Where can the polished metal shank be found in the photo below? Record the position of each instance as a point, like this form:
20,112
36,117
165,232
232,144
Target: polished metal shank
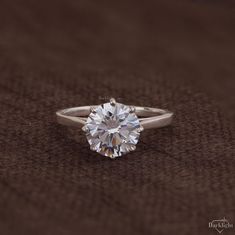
149,117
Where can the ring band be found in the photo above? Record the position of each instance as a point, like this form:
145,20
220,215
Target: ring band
150,117
113,126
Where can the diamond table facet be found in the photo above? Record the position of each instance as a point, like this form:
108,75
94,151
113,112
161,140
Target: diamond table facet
112,129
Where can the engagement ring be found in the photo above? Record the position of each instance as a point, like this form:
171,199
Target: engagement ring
113,129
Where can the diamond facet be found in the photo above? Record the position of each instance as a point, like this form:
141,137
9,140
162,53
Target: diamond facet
113,129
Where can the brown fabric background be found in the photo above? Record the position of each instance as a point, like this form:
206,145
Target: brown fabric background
56,54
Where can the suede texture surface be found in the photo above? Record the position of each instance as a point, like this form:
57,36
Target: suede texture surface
59,54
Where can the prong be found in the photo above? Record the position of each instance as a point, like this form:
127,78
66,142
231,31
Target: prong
133,148
85,128
132,109
112,157
140,129
92,148
92,109
112,101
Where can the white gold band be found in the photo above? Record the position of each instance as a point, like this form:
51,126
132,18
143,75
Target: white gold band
148,117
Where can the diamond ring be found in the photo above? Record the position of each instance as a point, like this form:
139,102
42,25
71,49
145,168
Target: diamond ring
113,129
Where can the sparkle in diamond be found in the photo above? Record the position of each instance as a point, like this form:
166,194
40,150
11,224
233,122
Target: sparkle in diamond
112,129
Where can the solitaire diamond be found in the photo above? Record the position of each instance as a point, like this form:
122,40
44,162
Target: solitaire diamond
112,129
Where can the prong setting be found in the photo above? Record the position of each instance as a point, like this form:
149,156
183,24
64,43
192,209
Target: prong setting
141,128
92,148
132,109
112,101
120,126
133,148
85,129
92,109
